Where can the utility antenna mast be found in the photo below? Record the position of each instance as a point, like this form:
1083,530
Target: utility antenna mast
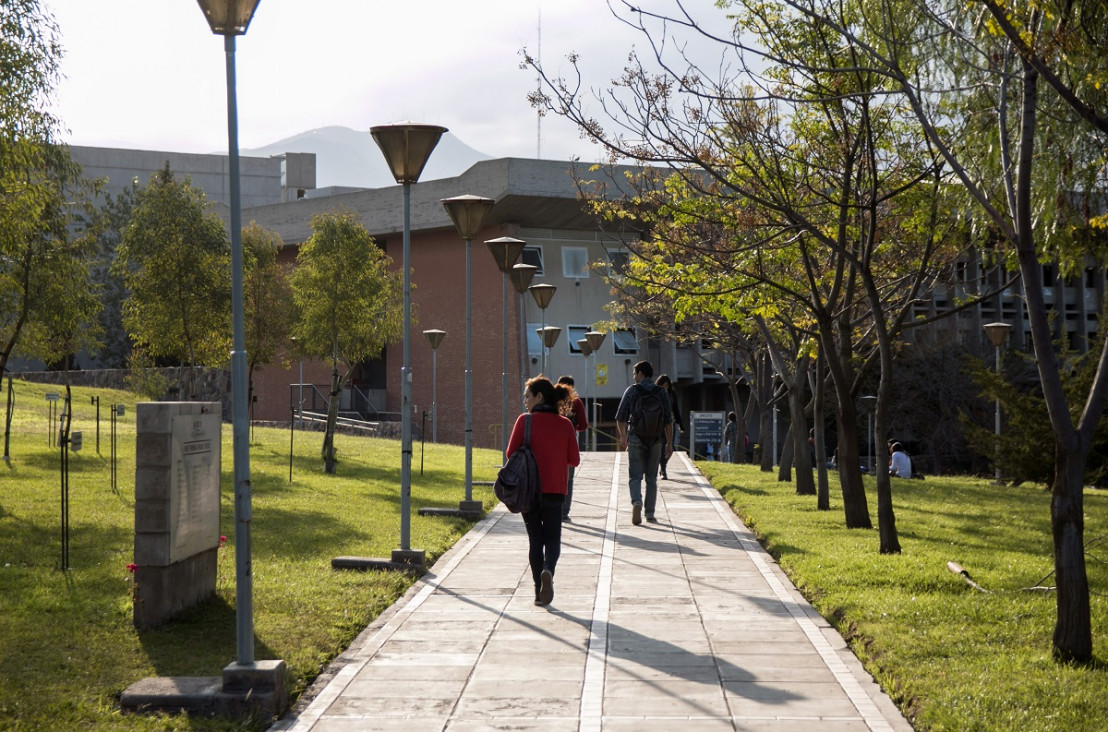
538,87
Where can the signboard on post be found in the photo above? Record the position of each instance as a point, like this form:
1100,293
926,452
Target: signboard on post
706,436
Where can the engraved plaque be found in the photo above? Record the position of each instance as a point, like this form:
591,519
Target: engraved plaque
194,485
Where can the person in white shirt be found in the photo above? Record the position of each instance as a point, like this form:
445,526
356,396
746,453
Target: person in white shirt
900,465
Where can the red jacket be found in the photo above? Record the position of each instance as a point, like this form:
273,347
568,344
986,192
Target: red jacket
554,443
580,419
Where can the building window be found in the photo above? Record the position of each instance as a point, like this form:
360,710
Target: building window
624,341
576,333
618,260
575,262
533,257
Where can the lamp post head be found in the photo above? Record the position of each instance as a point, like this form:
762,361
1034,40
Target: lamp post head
586,349
521,276
505,251
868,403
406,147
228,17
468,214
435,336
543,294
549,335
997,333
595,339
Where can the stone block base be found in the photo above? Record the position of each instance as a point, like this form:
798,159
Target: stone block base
259,691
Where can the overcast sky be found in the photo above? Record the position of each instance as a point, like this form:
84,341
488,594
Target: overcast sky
149,74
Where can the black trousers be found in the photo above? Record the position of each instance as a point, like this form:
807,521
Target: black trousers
544,535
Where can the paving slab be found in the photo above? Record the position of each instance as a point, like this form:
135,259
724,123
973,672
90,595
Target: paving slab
686,624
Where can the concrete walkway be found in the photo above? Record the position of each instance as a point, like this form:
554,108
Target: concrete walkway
685,625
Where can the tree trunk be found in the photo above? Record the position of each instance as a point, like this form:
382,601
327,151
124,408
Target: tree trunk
823,491
785,462
855,505
329,459
1073,640
765,437
802,449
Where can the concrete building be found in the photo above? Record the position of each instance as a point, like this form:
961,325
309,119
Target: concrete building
537,202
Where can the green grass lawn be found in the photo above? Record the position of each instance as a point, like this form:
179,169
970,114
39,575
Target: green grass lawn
67,644
952,657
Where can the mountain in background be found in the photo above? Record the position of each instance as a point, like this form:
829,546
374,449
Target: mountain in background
346,157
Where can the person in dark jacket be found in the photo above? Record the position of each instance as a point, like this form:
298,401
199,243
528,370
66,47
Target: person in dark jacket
554,442
573,409
678,425
643,454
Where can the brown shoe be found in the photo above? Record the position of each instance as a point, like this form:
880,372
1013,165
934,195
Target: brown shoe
546,589
636,514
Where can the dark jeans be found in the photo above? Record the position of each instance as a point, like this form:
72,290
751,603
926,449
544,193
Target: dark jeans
642,465
569,494
544,534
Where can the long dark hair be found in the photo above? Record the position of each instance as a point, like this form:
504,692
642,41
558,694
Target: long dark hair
553,395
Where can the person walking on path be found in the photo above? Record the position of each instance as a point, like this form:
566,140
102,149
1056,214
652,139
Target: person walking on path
554,442
678,426
645,424
574,410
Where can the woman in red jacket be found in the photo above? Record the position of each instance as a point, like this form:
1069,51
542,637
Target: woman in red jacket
554,442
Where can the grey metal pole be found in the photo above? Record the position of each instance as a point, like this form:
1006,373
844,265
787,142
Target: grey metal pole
996,461
434,395
504,377
406,382
870,447
469,370
300,410
244,583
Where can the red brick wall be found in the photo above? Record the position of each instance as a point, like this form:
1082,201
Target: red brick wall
438,301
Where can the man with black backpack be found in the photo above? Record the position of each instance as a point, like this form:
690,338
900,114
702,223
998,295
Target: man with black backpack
644,417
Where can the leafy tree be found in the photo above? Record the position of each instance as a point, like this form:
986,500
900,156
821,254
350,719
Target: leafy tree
106,223
175,260
348,303
1014,97
46,301
1010,98
267,299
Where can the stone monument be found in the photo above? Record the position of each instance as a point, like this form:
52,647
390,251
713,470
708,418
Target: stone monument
177,472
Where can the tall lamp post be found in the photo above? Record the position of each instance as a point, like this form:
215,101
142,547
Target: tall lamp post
521,276
406,147
586,351
869,403
543,294
997,334
468,214
230,18
434,337
505,250
596,340
549,335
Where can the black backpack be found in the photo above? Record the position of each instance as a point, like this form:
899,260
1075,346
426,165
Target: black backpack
649,420
518,484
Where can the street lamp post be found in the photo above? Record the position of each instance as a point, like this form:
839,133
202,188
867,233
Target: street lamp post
997,334
521,276
434,337
868,404
230,18
406,147
468,214
505,250
549,335
586,351
595,339
543,294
